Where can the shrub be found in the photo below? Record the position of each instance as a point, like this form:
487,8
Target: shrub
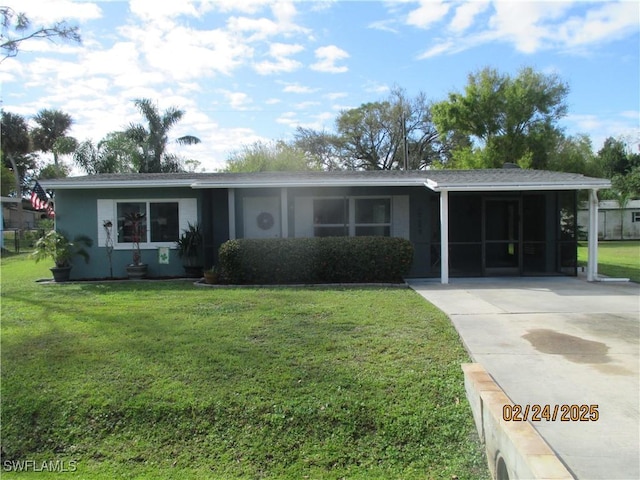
315,260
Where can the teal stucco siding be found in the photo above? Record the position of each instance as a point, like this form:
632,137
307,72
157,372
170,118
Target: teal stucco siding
77,213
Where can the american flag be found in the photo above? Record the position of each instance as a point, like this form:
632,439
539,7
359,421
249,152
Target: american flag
40,200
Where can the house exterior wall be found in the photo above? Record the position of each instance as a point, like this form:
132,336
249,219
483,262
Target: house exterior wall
546,242
78,212
614,223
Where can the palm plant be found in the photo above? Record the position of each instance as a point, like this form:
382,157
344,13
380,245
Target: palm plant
57,247
51,133
152,140
188,246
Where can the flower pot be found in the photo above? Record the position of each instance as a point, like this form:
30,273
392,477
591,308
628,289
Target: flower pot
210,277
61,274
137,271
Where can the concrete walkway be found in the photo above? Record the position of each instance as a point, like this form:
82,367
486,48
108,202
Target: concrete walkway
556,341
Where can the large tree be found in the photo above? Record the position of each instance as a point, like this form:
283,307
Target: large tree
510,119
616,158
391,134
152,140
394,133
51,133
16,28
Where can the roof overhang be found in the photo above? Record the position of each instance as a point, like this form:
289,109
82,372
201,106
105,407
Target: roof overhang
103,184
309,183
436,181
515,187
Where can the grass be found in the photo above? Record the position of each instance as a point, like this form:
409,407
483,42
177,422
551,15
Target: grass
166,380
615,259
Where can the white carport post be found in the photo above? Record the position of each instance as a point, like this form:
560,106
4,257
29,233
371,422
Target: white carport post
444,237
592,258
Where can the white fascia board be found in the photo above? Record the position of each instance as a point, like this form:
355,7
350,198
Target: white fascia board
481,187
52,185
308,184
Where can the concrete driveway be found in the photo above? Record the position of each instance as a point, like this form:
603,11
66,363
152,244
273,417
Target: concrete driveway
559,341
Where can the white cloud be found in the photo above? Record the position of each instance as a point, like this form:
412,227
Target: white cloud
284,14
429,12
154,11
308,104
237,100
288,118
609,22
526,24
244,6
336,95
280,52
533,26
47,12
327,58
600,127
466,14
384,26
297,88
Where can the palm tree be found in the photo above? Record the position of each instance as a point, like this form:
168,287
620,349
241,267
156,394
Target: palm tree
15,147
115,153
51,133
152,140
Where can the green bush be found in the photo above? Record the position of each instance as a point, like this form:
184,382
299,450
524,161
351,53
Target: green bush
316,260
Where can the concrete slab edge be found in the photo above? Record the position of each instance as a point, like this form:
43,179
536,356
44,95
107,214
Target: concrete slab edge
515,450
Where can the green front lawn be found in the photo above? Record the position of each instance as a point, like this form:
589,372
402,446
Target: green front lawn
168,380
615,259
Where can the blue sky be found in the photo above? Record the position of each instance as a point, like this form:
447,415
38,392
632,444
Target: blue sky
249,70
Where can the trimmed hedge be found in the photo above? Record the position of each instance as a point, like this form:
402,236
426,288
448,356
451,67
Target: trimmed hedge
316,260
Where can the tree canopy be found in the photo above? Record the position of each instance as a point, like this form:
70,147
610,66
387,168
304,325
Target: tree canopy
390,134
511,119
278,156
51,133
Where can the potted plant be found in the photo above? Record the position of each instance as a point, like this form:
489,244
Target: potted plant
61,250
188,246
212,275
134,220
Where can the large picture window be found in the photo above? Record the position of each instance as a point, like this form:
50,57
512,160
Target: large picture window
351,216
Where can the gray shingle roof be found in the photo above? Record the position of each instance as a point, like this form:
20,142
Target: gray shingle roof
455,180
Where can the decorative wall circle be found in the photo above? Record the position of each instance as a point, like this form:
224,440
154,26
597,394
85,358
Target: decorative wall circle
265,221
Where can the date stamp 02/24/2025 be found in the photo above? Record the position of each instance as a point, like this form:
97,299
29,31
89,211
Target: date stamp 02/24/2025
550,413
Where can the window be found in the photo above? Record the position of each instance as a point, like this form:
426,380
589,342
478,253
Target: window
159,225
163,220
330,217
373,217
349,216
635,217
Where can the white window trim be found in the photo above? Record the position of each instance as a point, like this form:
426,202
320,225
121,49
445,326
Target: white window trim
108,210
352,213
635,217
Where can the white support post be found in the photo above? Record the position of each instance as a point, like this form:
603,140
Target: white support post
592,255
232,213
444,237
284,213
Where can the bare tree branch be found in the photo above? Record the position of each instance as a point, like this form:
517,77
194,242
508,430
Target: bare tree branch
15,28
